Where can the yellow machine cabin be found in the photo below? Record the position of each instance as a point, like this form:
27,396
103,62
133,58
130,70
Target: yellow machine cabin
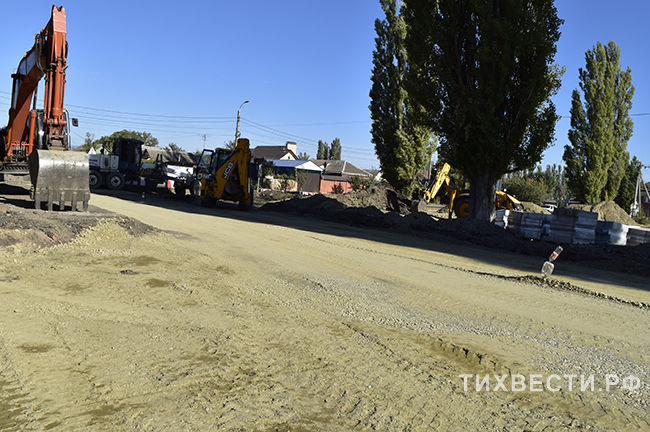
225,174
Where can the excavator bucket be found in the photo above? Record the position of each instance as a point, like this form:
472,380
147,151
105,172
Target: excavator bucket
61,177
418,206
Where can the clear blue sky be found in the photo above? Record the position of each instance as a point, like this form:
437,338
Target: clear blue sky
304,65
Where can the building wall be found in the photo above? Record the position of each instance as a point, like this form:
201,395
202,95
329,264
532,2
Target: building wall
327,185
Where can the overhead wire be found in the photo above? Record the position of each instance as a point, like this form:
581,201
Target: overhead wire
153,122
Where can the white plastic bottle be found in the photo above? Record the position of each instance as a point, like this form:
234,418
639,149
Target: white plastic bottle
547,268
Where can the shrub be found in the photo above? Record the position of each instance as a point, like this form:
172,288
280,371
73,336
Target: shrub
337,188
360,183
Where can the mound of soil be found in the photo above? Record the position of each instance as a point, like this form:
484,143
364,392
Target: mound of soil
372,202
378,196
266,196
533,208
28,230
612,212
607,211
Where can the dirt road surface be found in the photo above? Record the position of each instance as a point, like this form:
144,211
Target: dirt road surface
224,320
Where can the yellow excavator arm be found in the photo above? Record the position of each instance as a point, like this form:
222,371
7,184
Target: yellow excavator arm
459,201
442,179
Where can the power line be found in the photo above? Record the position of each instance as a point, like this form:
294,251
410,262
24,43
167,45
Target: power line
93,116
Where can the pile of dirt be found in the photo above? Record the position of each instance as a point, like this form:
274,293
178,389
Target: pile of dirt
29,230
533,208
267,196
607,211
378,196
332,209
376,201
612,212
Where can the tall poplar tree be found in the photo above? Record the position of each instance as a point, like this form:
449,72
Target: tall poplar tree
484,71
335,149
323,150
601,126
402,144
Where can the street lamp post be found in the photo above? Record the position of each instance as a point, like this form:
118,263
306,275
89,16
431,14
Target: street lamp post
238,115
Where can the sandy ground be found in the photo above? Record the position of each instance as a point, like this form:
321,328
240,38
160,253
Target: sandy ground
224,320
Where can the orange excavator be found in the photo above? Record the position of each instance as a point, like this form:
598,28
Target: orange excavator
35,141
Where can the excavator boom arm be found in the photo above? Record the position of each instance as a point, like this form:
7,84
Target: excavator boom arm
47,57
33,139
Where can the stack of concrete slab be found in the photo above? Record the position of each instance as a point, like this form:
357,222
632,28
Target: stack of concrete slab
637,236
560,227
501,218
584,229
568,225
614,233
527,225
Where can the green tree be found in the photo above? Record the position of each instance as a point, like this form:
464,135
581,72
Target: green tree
301,179
323,150
303,156
554,180
145,137
526,189
484,72
402,144
107,141
230,144
601,127
335,150
627,189
89,142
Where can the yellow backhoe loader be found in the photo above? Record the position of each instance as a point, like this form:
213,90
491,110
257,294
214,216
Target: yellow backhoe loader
223,174
459,200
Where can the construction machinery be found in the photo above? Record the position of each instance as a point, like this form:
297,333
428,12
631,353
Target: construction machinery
35,141
122,165
459,199
223,174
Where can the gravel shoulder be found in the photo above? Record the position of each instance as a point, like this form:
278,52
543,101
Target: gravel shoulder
210,319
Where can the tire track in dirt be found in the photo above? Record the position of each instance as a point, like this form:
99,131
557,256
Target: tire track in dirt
469,359
16,410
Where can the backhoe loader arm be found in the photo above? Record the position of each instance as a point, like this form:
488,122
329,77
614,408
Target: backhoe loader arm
442,178
47,57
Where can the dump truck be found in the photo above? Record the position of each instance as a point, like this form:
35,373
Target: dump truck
224,174
35,142
459,199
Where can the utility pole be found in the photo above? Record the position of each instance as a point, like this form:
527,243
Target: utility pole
204,138
237,127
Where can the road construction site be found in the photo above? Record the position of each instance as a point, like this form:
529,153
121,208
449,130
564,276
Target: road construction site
158,314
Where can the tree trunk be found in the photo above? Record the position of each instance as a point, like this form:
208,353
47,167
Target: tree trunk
481,197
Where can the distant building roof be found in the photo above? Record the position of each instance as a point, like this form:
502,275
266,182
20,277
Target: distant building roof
272,152
168,156
339,167
296,164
